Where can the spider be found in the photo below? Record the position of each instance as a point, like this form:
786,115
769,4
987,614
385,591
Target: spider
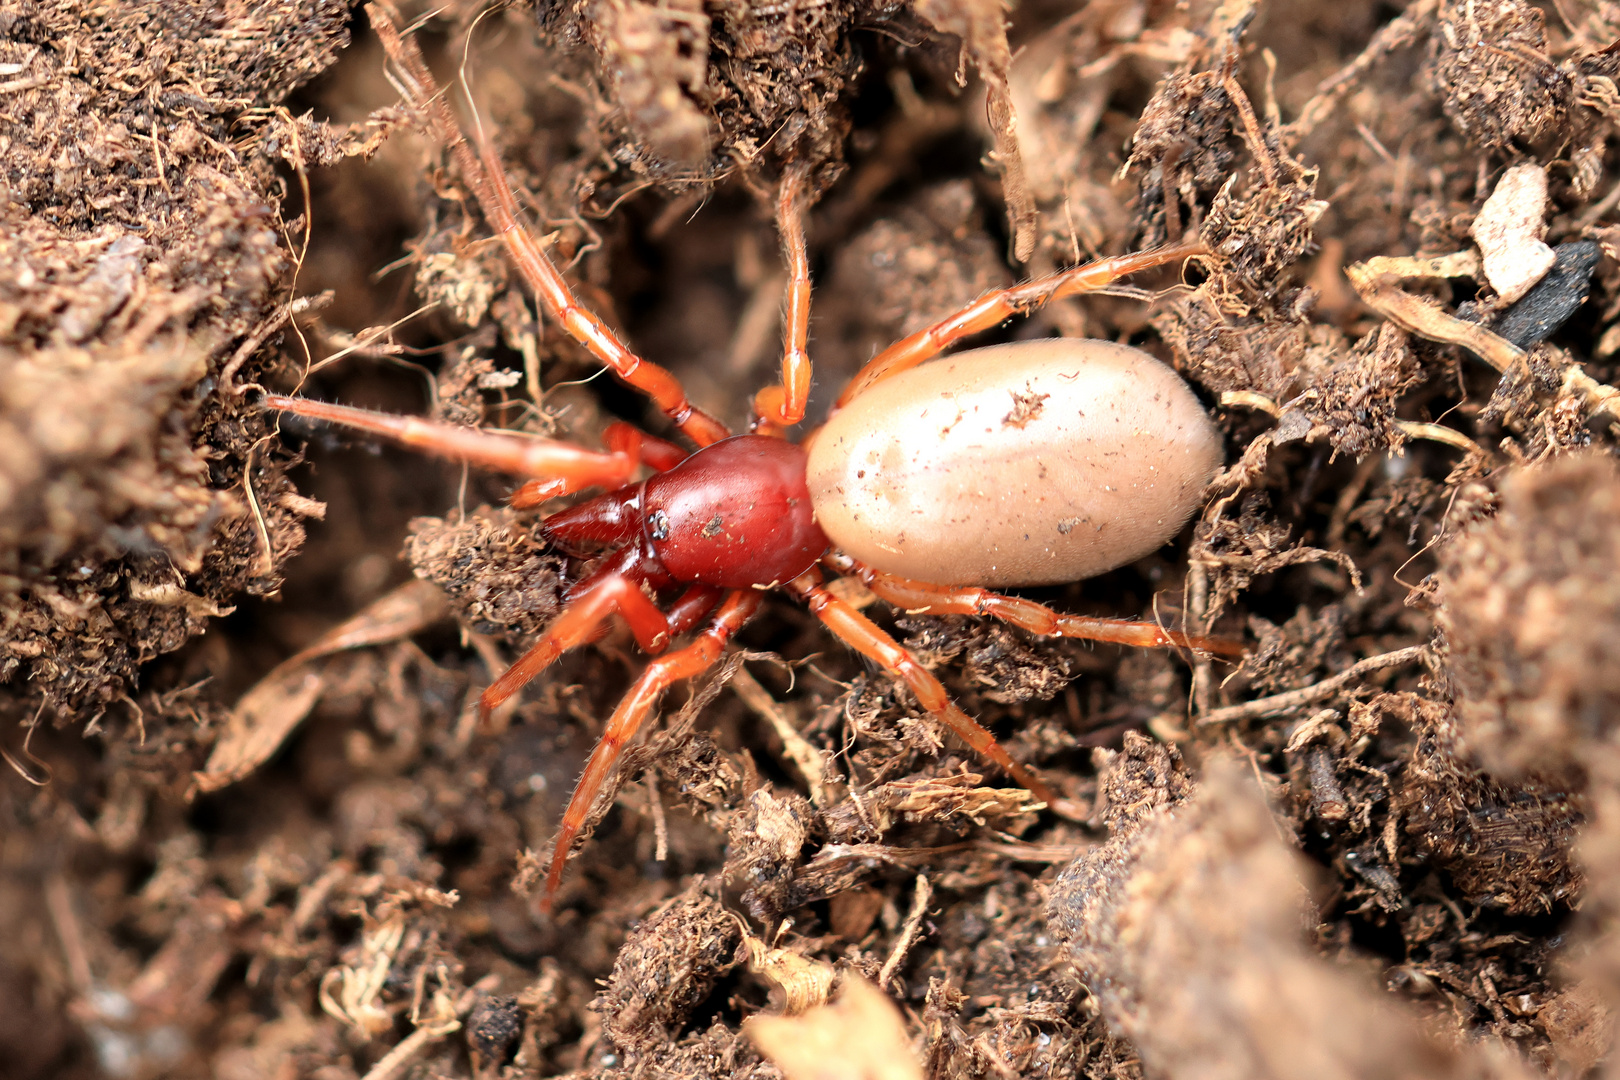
743,515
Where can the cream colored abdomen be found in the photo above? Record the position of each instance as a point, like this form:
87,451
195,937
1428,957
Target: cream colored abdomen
1023,464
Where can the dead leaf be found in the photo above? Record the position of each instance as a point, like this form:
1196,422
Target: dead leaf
278,703
982,26
413,606
861,1036
801,984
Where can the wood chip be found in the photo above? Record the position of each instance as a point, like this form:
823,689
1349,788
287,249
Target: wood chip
861,1036
278,703
1509,231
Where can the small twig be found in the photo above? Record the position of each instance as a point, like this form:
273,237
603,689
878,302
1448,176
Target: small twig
311,898
1197,586
250,345
1375,282
1421,316
655,806
1328,800
365,343
1251,399
909,932
59,905
1011,850
394,1063
1457,264
23,770
1252,134
446,1021
1278,704
267,561
1439,433
806,758
1349,496
1412,429
1398,32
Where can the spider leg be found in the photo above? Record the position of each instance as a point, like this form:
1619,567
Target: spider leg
994,308
566,468
782,406
561,468
737,608
920,597
659,454
692,607
614,587
487,179
864,636
622,440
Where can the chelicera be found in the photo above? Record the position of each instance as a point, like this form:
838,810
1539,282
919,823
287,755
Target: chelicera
1042,462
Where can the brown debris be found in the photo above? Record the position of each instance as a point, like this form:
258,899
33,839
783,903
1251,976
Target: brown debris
657,57
1490,66
982,26
766,839
1580,1025
955,802
494,1027
267,714
666,968
1506,844
861,1036
139,494
353,899
1531,610
701,90
501,578
1182,154
798,983
908,268
1188,927
993,658
1354,401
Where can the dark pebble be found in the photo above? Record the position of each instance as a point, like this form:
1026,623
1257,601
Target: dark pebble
494,1027
1553,299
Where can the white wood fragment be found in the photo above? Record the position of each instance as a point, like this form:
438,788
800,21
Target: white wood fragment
1509,231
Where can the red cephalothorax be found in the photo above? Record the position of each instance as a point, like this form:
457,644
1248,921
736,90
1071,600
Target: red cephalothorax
1023,464
736,515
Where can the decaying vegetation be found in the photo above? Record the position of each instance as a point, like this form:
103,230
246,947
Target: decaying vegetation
253,826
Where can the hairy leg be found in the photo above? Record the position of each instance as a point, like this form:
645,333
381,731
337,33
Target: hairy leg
487,179
735,610
559,468
996,307
862,635
779,407
614,588
920,597
625,444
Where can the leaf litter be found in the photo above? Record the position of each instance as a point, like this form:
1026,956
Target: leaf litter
254,825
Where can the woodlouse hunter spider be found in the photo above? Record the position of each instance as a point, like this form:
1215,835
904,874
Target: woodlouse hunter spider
1041,462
